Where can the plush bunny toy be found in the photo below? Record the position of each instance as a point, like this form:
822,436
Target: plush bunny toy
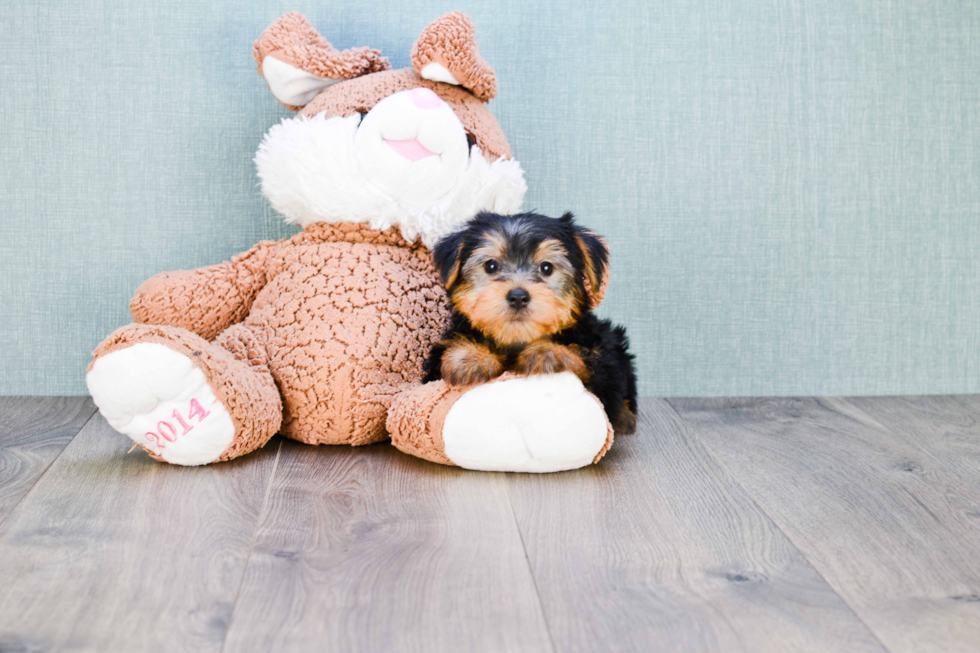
321,337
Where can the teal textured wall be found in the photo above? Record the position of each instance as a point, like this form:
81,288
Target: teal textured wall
791,189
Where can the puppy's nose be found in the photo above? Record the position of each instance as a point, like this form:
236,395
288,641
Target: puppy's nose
518,298
425,98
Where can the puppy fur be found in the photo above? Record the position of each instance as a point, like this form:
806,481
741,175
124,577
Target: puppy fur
520,290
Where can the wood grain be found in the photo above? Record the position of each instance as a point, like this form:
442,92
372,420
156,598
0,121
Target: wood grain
116,552
944,433
878,515
33,431
368,549
657,549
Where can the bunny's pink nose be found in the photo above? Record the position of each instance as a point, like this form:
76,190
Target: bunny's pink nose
425,98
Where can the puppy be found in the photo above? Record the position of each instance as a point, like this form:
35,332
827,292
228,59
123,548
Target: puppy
521,290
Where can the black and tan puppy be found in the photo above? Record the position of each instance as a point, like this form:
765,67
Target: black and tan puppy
520,287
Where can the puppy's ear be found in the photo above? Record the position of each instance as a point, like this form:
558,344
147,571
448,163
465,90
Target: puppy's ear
448,257
446,52
595,260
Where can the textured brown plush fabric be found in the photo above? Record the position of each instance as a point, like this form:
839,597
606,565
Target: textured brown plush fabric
451,41
174,298
362,94
416,417
293,40
340,317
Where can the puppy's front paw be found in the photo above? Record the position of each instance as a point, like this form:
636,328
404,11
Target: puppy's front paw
469,363
544,357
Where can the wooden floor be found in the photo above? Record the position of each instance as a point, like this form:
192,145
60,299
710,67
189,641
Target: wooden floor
721,525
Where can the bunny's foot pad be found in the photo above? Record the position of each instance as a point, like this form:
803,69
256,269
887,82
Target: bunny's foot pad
163,402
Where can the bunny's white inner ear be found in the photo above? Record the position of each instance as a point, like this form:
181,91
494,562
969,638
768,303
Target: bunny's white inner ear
436,72
291,85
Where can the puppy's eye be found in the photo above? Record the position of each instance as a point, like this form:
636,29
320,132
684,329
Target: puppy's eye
491,267
546,269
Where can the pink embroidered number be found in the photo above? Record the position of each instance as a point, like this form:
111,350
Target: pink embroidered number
163,427
166,430
197,411
184,425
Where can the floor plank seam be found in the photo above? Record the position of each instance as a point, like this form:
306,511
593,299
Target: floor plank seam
530,570
864,413
775,524
925,452
251,548
4,519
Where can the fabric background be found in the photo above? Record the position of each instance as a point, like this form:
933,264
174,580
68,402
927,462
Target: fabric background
791,189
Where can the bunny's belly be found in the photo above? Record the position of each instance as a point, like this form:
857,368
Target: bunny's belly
346,329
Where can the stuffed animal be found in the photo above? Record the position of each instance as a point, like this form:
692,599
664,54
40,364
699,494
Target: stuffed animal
321,337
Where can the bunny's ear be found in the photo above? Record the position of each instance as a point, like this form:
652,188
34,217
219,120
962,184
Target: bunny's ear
446,52
298,63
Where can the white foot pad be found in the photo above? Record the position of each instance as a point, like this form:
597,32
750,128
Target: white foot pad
161,400
545,423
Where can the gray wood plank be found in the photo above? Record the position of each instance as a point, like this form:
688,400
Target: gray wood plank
658,549
116,552
33,431
893,541
944,434
368,549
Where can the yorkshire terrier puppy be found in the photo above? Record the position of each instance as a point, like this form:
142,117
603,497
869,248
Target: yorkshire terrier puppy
520,288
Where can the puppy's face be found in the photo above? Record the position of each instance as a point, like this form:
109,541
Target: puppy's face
520,278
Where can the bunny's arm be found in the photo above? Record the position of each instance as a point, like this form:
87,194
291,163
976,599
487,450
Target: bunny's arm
207,300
